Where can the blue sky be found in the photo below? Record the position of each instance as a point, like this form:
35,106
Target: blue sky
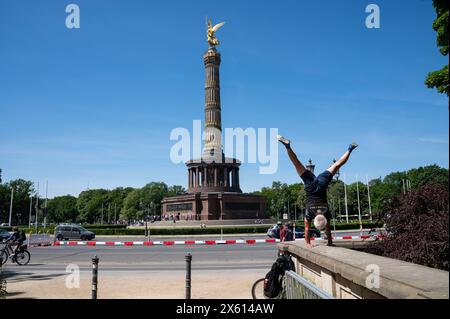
95,106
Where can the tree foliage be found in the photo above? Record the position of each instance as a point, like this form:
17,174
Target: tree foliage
280,195
62,209
439,79
21,200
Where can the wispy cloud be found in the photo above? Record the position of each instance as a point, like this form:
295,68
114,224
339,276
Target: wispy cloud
433,140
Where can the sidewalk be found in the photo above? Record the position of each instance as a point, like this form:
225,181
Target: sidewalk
207,284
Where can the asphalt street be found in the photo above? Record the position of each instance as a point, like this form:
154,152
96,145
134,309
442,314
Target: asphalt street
135,267
164,258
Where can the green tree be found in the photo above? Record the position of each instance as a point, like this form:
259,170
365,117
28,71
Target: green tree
297,200
131,205
90,204
380,194
146,200
62,209
115,201
431,174
352,196
279,195
336,197
21,201
151,196
176,190
439,79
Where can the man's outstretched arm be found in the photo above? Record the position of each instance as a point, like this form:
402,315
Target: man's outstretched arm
307,237
292,156
338,164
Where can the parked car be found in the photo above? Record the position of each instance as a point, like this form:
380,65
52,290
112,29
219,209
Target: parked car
67,231
4,234
274,232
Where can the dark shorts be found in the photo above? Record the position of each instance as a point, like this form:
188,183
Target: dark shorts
314,210
319,183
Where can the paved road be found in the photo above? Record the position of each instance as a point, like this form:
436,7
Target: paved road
151,258
141,267
239,256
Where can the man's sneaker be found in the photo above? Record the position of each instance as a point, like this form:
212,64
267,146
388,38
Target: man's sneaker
286,142
352,146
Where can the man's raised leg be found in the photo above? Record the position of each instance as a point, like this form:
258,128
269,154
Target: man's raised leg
339,163
292,156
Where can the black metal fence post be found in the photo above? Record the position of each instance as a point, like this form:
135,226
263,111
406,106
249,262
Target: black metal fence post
94,276
188,258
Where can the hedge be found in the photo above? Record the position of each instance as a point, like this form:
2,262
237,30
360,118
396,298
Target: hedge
104,226
183,231
51,228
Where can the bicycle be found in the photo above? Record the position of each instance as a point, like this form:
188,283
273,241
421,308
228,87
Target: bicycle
377,233
20,256
286,264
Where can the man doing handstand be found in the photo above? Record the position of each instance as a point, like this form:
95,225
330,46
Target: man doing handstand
316,191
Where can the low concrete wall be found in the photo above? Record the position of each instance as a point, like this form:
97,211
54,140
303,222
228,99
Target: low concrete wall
349,274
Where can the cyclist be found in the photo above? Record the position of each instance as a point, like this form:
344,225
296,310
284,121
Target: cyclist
16,238
316,191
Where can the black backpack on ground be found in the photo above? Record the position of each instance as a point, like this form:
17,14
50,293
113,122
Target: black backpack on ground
272,281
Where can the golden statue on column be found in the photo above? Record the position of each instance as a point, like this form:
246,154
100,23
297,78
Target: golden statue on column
211,33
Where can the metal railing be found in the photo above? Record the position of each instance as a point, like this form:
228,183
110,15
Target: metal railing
298,287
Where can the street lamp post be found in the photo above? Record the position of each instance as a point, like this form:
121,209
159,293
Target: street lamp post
101,220
146,226
368,197
31,207
336,178
359,204
11,206
345,201
221,225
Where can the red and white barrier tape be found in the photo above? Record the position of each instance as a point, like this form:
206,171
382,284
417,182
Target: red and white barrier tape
190,242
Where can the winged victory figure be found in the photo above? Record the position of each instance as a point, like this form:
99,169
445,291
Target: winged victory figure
211,33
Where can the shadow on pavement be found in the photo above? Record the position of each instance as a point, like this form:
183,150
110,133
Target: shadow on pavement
12,276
